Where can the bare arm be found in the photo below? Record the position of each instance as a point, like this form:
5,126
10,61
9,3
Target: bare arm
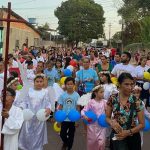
136,129
141,124
113,123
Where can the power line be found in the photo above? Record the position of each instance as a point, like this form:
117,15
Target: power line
24,2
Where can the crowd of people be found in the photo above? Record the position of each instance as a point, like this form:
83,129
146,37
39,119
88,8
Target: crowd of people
75,79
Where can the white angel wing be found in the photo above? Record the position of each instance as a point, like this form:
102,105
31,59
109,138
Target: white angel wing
26,84
84,99
23,72
58,91
52,97
114,90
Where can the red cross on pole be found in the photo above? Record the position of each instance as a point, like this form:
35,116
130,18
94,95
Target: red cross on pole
8,20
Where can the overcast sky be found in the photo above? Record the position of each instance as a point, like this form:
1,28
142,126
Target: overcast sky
43,10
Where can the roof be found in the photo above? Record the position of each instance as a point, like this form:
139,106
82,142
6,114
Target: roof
20,18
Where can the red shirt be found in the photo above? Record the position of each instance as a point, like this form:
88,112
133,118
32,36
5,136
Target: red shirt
113,51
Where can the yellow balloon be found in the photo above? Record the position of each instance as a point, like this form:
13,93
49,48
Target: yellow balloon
114,81
56,128
62,81
147,75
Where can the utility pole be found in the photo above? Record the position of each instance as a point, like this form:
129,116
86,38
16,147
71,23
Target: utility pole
122,24
110,35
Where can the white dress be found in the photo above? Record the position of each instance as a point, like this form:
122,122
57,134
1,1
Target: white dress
30,76
33,134
12,127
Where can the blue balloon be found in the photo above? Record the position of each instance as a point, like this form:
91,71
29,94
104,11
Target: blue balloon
60,116
74,115
67,72
102,121
91,115
147,125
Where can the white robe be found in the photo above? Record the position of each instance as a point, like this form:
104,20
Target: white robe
33,134
12,127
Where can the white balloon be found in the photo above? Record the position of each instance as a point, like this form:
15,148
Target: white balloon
146,86
27,114
70,68
41,115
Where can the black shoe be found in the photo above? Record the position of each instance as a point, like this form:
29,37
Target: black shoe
64,147
68,148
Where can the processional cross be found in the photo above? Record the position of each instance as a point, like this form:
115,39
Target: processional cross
8,20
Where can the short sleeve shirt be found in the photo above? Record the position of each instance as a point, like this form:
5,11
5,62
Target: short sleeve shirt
83,76
52,75
68,101
139,71
120,68
122,115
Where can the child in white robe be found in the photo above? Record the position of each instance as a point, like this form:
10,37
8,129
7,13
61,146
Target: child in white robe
13,121
13,83
33,135
30,72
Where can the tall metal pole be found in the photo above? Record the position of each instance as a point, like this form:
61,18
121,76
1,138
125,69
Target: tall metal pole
122,35
6,63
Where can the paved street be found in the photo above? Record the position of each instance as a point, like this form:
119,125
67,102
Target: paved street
79,143
55,141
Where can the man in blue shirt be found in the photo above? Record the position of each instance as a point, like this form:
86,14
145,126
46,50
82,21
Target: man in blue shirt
117,60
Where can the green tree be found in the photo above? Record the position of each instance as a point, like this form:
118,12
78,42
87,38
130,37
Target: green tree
43,29
145,29
134,9
136,26
80,20
117,36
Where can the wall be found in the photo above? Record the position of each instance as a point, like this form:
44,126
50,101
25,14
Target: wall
21,32
53,44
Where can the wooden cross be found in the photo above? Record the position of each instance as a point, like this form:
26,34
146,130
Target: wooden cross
8,20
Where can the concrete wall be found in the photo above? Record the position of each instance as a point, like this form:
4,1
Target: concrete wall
20,32
53,44
21,36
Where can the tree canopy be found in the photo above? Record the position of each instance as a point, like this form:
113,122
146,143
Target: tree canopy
136,15
80,20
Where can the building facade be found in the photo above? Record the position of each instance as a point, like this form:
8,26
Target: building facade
20,33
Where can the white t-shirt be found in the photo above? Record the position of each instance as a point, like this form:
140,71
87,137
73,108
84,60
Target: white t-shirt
139,71
106,53
40,59
34,62
120,68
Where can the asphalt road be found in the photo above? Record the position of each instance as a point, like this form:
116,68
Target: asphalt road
55,142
